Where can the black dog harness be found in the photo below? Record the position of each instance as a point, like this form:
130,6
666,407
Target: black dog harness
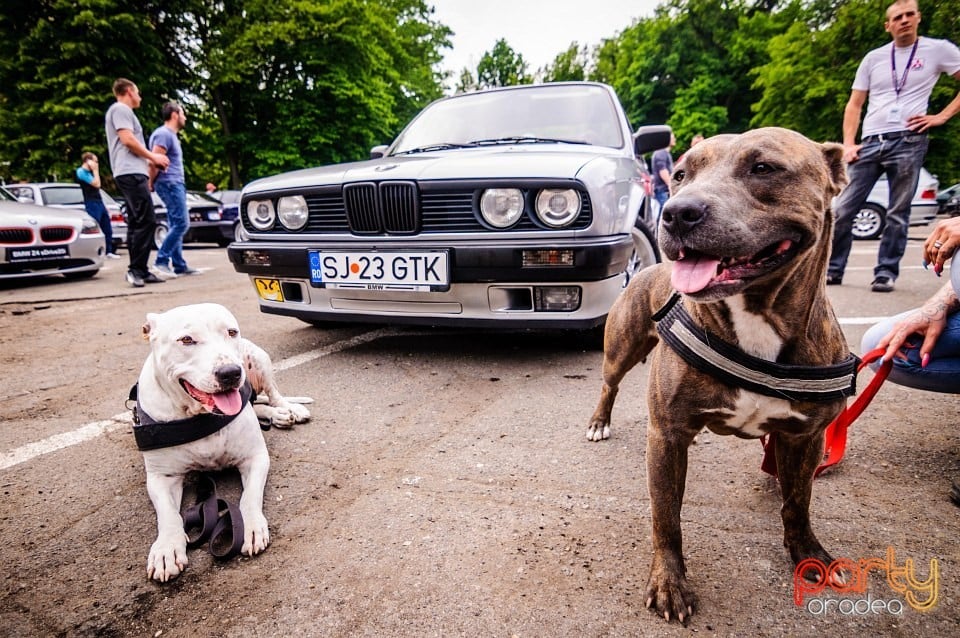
711,355
151,434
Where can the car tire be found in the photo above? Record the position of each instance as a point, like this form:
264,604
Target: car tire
159,234
645,251
868,223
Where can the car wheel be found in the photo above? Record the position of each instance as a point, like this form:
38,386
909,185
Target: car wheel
869,221
645,252
159,234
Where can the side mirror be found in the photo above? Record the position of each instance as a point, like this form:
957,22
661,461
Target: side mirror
650,138
378,151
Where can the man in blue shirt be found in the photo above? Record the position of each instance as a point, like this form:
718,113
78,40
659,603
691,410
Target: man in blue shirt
171,187
88,176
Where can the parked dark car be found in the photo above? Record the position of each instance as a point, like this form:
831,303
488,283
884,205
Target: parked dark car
522,206
209,222
948,201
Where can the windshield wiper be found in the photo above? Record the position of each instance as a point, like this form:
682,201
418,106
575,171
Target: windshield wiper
439,146
524,139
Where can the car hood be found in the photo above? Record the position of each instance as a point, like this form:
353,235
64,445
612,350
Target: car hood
515,161
15,213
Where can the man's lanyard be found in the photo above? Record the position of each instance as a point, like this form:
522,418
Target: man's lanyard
898,86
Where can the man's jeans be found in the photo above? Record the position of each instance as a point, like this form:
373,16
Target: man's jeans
99,212
901,160
943,372
174,196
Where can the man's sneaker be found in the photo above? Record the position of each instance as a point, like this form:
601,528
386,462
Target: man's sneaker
165,270
152,279
134,279
113,256
188,271
834,280
882,284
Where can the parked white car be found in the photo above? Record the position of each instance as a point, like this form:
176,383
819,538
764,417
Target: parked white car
869,222
518,207
68,195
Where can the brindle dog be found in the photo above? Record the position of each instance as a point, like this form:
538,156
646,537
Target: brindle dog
748,233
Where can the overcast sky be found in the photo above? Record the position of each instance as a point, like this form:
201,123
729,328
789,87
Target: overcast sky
536,29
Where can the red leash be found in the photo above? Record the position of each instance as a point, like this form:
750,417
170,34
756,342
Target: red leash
835,439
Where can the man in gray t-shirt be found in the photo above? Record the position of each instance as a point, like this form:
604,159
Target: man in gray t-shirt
130,161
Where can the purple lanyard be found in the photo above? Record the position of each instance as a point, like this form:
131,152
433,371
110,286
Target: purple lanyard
898,86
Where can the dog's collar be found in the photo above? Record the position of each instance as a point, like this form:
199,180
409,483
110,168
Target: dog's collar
151,434
711,355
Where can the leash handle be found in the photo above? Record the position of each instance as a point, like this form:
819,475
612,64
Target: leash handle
835,438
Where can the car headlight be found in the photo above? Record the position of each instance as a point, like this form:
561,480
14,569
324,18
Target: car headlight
558,207
292,212
261,214
501,207
89,226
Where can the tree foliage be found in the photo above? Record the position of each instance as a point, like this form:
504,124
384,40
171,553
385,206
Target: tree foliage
502,66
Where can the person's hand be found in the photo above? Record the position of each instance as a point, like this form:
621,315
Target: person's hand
160,160
851,153
942,243
928,321
922,123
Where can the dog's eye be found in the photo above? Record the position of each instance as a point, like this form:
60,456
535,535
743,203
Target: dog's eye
187,340
762,168
679,175
233,332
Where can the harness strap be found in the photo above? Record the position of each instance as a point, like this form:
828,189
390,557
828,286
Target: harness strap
835,437
151,434
724,361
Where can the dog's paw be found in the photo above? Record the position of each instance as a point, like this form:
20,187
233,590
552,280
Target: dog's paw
670,596
256,534
598,431
168,557
284,414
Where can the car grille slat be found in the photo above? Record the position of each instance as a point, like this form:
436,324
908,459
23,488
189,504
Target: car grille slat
55,234
399,205
363,214
15,236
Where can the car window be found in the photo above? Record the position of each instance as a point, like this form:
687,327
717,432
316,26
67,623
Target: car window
575,114
7,195
21,192
62,196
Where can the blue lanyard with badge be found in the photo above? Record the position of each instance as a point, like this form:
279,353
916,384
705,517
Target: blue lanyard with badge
895,111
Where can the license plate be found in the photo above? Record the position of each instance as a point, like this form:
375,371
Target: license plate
18,255
415,271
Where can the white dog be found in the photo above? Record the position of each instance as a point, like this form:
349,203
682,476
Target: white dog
194,414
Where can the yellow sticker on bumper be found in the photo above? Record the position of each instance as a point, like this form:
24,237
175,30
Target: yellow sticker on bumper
268,289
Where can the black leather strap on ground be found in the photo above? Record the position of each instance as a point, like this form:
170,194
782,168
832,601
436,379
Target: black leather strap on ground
153,435
217,519
711,355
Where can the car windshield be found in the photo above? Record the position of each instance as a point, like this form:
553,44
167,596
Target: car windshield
541,114
6,195
62,196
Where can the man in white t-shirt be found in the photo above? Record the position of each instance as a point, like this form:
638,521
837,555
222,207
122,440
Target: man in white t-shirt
898,78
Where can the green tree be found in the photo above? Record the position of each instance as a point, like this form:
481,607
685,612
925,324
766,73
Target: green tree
569,65
58,61
502,66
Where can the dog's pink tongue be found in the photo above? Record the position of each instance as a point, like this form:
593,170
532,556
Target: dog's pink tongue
693,273
228,402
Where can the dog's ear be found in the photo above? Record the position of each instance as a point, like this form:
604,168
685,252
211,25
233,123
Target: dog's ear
147,327
836,167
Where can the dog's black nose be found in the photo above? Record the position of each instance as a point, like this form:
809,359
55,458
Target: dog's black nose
229,375
681,214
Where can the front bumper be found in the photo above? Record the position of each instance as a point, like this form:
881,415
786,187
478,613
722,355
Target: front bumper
489,285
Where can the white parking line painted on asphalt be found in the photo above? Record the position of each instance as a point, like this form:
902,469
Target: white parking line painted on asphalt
90,431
